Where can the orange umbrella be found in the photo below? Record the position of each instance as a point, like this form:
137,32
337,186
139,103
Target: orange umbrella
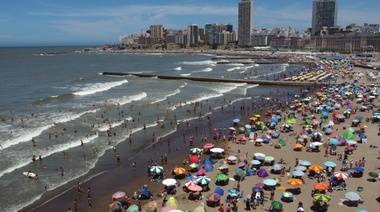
194,188
295,182
332,136
298,145
316,168
281,188
179,170
321,186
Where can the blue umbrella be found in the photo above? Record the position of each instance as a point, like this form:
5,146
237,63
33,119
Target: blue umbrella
233,192
305,163
260,158
219,191
257,189
236,120
274,119
358,169
325,113
275,135
298,173
270,182
334,141
361,210
329,164
329,131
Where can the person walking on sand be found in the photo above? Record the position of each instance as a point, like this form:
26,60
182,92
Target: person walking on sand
272,194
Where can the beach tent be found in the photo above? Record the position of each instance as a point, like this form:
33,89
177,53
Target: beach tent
262,173
219,191
209,167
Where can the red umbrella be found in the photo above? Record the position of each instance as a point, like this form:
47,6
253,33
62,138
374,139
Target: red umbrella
194,188
208,146
350,148
194,159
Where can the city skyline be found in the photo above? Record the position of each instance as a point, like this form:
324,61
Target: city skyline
96,22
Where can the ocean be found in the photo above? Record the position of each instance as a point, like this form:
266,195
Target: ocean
56,103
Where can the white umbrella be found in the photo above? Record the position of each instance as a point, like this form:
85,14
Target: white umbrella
232,157
258,154
316,143
217,150
259,140
169,182
255,162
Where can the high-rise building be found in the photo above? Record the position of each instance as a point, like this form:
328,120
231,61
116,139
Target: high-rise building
156,32
245,22
325,14
193,34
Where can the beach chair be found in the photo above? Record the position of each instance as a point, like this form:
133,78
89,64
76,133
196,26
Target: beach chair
156,178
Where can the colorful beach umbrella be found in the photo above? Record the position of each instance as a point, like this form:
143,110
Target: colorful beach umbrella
287,194
194,165
233,192
151,206
240,172
179,170
213,197
295,182
115,205
322,197
190,183
133,208
221,177
203,180
172,202
316,168
341,175
118,195
276,205
208,146
156,169
320,186
195,151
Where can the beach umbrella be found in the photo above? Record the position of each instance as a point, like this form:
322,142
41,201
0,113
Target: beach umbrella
232,128
322,197
298,173
190,183
276,205
208,146
199,209
255,162
316,168
115,205
223,166
235,120
260,158
194,188
269,158
329,164
179,170
341,175
213,197
300,168
172,202
194,159
269,182
277,166
240,164
257,154
169,182
334,141
118,195
151,206
195,151
156,169
257,189
217,150
373,174
352,196
203,180
221,177
283,188
219,190
348,135
287,194
351,142
305,163
361,210
232,157
298,145
317,134
320,186
350,148
295,182
358,169
240,172
233,192
169,209
201,172
133,208
262,173
194,165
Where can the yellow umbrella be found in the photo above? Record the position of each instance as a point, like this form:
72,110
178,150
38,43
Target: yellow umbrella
282,188
295,182
316,168
179,170
172,202
322,197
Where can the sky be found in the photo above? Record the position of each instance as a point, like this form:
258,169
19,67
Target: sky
97,22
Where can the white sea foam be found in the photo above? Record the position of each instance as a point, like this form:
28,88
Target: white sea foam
128,99
178,68
197,63
208,69
185,75
177,91
98,87
234,68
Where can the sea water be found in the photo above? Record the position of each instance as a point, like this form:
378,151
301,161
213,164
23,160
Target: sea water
63,102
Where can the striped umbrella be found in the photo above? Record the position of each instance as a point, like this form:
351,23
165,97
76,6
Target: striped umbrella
172,202
213,197
233,192
316,168
322,197
341,175
151,206
195,151
203,180
156,169
179,170
189,183
295,182
287,194
194,165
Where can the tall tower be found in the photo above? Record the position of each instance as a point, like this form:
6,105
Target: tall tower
325,14
193,36
245,22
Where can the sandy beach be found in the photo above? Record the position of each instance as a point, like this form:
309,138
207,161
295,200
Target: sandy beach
129,182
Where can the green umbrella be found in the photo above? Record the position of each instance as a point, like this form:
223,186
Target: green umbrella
350,129
269,158
195,150
203,180
348,136
276,205
156,169
133,208
240,172
307,120
373,174
221,177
